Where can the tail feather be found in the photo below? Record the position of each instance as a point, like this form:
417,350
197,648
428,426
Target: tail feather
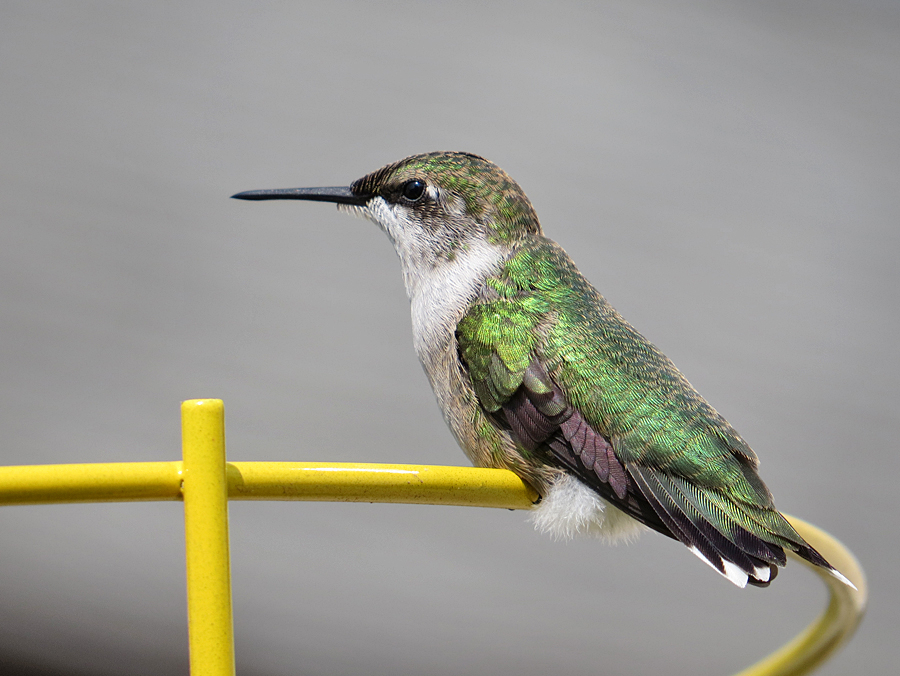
779,529
708,523
721,514
700,536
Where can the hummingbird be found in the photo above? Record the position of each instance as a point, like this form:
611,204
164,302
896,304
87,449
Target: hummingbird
535,372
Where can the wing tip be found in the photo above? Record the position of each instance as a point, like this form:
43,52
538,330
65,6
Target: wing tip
809,554
835,573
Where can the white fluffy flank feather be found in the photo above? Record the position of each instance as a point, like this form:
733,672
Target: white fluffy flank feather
570,508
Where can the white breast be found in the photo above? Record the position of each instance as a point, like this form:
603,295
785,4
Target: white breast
440,295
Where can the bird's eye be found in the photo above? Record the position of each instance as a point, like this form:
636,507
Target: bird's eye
413,190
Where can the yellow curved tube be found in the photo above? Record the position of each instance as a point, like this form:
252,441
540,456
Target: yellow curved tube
837,623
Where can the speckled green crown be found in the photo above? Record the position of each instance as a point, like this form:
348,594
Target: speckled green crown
491,197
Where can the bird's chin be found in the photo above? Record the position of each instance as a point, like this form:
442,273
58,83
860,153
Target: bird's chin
356,210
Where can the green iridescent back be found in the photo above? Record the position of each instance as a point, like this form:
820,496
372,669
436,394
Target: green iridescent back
626,389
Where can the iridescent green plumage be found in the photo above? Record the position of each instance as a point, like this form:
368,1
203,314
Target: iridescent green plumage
624,388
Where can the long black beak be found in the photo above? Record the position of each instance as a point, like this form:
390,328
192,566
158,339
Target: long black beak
339,195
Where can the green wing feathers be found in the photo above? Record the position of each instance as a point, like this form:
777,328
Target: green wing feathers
625,388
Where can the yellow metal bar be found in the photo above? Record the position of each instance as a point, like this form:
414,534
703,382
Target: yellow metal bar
94,482
834,627
205,490
319,481
363,482
206,482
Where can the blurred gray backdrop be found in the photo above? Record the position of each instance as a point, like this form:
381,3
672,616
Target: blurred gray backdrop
725,172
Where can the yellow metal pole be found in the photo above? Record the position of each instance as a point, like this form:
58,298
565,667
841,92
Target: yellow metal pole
205,491
369,482
90,482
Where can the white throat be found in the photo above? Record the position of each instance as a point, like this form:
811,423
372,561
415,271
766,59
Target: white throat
440,296
440,289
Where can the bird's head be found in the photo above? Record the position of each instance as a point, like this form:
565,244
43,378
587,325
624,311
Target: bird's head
432,206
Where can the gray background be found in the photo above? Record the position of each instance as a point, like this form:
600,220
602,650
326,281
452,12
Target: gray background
725,172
